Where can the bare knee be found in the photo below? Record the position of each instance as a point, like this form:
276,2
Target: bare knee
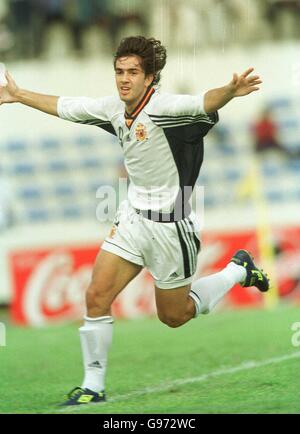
98,299
172,321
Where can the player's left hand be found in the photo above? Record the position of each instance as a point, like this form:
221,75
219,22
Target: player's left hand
245,83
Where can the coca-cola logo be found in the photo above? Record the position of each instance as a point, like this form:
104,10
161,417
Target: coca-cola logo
55,290
49,286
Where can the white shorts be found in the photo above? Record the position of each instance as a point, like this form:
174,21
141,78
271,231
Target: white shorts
168,250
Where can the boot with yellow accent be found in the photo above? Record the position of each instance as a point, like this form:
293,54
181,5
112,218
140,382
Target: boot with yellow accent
254,276
79,396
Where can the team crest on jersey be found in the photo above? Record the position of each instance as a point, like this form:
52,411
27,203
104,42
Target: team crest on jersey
141,133
113,231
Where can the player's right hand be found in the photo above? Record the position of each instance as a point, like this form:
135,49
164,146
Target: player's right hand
8,93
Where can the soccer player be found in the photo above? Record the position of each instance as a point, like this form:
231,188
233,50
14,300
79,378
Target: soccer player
162,139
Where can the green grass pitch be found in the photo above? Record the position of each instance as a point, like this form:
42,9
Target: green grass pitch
155,369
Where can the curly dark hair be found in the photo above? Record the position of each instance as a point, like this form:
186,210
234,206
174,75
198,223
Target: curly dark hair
152,53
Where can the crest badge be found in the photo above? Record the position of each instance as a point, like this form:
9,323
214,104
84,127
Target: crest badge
112,232
141,133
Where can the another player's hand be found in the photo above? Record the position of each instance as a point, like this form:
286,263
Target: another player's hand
245,83
8,93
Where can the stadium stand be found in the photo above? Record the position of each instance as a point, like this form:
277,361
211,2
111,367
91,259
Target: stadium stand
59,179
54,180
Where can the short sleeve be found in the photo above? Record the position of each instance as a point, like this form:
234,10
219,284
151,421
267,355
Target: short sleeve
83,109
179,105
169,110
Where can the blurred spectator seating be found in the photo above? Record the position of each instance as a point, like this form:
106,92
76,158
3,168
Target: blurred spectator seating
28,27
265,134
283,17
55,178
28,23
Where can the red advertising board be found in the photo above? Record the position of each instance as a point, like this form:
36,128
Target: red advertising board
49,284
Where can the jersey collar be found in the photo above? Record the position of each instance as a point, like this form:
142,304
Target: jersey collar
129,119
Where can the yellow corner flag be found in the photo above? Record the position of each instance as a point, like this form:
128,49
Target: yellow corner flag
252,187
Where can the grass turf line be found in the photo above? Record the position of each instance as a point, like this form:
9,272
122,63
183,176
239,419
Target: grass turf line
39,366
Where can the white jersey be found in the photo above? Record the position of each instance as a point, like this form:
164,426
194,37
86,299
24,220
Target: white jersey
162,141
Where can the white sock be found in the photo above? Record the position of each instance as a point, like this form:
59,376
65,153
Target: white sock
208,291
96,338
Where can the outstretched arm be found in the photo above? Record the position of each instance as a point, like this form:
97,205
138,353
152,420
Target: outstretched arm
240,85
12,93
